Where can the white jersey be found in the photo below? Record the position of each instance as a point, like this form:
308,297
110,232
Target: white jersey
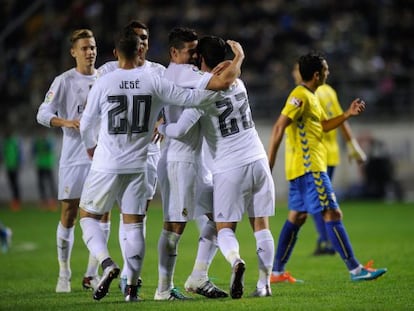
227,127
107,68
188,119
156,68
127,103
229,130
186,148
66,99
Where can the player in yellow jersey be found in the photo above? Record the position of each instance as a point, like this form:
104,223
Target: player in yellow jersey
310,189
330,104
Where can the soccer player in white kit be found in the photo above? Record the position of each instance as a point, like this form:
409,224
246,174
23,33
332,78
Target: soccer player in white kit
126,103
62,107
154,152
177,169
242,182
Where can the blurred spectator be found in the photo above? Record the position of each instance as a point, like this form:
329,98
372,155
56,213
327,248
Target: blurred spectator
379,182
5,238
12,158
44,158
368,43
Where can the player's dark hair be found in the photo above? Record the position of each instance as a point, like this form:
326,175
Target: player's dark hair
309,64
213,49
178,36
137,24
80,34
134,24
127,43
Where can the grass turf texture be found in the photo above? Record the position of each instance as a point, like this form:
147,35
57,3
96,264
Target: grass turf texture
379,231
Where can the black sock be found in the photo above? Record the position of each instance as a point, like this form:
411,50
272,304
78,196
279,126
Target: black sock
106,263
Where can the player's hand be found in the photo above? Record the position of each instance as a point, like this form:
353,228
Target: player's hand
159,121
157,136
356,107
75,124
220,67
236,48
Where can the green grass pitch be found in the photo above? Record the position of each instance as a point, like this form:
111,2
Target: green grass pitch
379,231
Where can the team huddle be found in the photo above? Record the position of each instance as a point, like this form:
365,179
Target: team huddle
212,167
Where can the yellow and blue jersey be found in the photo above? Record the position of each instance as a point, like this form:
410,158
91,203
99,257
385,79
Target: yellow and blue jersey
305,151
330,104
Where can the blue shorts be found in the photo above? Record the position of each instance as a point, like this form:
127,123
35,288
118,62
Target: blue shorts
311,193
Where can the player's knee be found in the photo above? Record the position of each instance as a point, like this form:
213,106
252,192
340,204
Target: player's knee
332,214
297,218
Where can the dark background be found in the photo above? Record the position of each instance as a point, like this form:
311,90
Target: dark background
368,44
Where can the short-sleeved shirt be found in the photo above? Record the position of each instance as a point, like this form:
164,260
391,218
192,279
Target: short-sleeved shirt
66,99
156,68
127,104
188,147
11,153
227,128
230,132
305,151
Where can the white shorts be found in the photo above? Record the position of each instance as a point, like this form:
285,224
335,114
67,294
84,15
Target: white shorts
204,196
71,180
248,188
178,186
204,202
152,162
102,190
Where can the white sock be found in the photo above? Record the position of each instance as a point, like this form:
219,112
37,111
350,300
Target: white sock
106,229
201,222
64,241
356,270
122,241
134,251
94,238
265,249
207,249
144,224
167,258
93,263
92,267
229,246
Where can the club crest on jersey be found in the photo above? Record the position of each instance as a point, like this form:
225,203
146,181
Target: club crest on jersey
49,96
184,212
295,102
